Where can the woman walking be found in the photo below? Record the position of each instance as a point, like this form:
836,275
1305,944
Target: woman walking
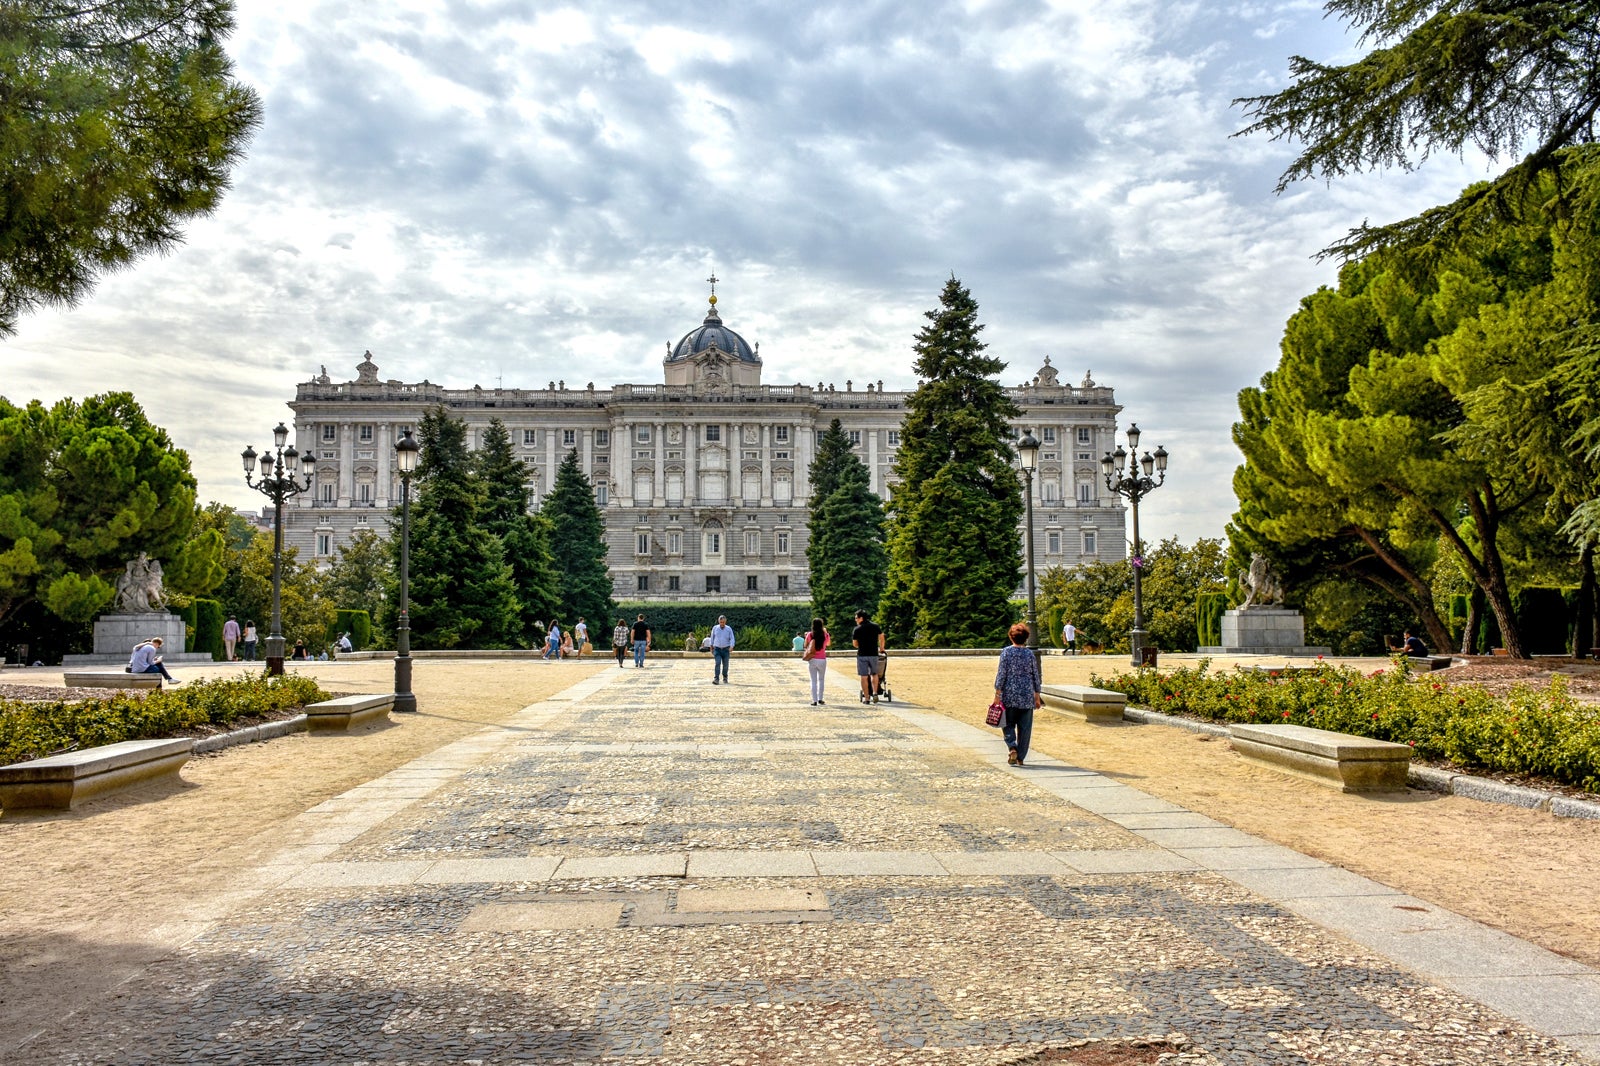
1016,687
815,653
619,640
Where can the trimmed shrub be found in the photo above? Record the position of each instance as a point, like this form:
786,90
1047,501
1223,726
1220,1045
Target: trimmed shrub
208,620
357,623
1538,731
1460,604
29,730
189,615
671,623
1208,610
1542,619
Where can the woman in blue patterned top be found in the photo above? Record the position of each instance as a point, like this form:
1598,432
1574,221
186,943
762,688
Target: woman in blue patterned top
1016,686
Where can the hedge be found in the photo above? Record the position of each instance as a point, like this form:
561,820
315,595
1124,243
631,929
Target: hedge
188,613
357,623
30,729
1542,619
671,622
208,620
1459,606
1538,731
1208,611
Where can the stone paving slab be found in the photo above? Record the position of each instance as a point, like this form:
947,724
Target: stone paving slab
651,870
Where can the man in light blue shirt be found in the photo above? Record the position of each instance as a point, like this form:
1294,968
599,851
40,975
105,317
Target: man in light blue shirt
721,648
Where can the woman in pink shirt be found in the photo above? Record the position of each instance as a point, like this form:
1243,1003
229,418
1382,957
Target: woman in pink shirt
816,656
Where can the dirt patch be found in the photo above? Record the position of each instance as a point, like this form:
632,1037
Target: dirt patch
1499,675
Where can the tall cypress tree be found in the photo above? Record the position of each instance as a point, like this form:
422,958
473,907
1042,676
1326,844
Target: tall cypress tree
578,545
846,553
955,553
833,455
524,537
462,593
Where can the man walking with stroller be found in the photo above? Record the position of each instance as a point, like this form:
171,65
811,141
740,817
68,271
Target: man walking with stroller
868,640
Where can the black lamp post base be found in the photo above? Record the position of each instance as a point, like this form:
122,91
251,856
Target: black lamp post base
405,701
274,665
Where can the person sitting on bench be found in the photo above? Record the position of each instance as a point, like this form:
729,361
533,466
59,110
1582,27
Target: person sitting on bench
147,660
1414,647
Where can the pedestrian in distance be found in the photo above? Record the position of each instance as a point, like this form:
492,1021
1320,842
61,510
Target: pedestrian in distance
1017,687
230,639
869,644
567,650
814,650
146,659
249,642
619,640
580,636
641,642
552,642
722,642
1069,639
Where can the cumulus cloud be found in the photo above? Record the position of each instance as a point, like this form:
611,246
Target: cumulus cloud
485,190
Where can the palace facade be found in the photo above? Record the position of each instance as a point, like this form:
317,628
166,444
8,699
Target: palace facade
701,478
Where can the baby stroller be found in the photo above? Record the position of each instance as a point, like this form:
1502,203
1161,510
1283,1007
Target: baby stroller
882,687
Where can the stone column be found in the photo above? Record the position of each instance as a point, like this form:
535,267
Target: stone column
872,462
736,464
658,493
385,464
347,463
766,466
691,463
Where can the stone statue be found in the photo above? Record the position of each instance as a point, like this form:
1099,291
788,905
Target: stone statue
1262,584
139,586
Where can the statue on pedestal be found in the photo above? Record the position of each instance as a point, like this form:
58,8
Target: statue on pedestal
1262,584
139,586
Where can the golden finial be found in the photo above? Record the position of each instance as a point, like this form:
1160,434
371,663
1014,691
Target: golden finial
713,280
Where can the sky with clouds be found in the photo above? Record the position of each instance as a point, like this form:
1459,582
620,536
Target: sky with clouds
518,190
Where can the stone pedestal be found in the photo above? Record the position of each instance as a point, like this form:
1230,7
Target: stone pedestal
1264,631
116,634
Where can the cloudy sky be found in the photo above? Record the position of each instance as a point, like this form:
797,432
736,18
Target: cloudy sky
517,190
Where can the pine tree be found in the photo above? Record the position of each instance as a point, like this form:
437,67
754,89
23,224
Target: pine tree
955,553
524,537
834,453
462,592
848,561
578,545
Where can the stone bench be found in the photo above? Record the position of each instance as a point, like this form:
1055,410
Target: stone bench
1426,663
109,679
1082,701
61,782
339,715
1348,763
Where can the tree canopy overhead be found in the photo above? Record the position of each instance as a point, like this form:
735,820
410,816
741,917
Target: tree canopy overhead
118,123
1443,75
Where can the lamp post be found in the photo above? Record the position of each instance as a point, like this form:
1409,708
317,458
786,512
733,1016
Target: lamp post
405,700
1028,452
1134,485
277,487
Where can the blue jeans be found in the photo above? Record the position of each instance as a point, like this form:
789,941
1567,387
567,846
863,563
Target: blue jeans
719,662
1019,729
638,652
157,668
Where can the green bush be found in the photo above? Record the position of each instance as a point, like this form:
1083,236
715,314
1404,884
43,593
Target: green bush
357,623
208,619
1457,620
1542,619
1209,607
190,624
31,729
1537,731
671,623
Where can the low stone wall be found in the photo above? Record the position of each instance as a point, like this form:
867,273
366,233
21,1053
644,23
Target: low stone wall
61,782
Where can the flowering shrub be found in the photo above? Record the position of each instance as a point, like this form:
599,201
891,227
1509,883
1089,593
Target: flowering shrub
32,729
1538,731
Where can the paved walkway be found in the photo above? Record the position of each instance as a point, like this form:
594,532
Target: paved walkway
651,869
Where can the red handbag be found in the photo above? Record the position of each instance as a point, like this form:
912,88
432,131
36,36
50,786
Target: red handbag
997,711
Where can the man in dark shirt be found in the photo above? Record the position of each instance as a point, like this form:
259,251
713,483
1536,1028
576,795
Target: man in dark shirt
1414,646
868,640
641,641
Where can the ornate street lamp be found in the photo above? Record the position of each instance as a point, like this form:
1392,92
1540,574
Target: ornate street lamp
405,450
277,487
1134,485
1028,452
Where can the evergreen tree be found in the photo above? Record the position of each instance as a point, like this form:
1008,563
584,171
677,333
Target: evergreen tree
462,592
955,554
524,537
118,122
578,545
360,576
846,553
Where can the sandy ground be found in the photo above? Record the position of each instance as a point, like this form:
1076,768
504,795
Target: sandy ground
88,897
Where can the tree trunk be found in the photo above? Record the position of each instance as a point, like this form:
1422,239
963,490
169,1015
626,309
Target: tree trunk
1419,595
1469,639
1438,632
1489,571
1583,622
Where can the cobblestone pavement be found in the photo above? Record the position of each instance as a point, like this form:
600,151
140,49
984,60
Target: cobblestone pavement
649,869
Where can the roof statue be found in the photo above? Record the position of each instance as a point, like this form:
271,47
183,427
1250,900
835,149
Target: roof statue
1046,377
366,370
1088,380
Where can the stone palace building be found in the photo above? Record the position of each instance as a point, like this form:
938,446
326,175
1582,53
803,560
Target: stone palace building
701,477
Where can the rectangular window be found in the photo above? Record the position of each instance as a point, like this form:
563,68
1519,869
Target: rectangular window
713,434
780,455
366,434
324,544
330,433
894,438
642,434
819,438
1049,434
1054,544
672,583
361,519
530,437
364,492
643,544
602,438
569,438
1084,456
713,584
855,438
644,582
750,583
327,492
1085,492
1083,435
674,543
783,544
1088,544
781,434
783,582
752,543
600,493
713,543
